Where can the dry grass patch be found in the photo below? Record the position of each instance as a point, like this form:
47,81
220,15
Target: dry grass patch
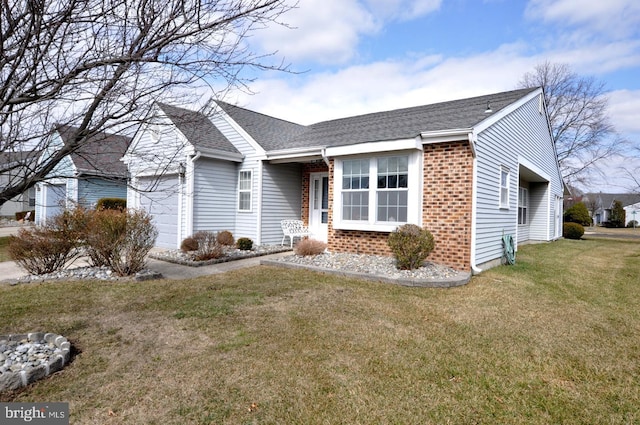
553,339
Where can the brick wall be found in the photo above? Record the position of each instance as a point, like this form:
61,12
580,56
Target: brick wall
307,169
447,198
446,208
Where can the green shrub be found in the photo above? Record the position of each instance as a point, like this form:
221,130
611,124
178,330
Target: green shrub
410,246
225,238
208,246
310,247
120,240
578,213
632,224
244,244
189,244
118,204
618,215
572,230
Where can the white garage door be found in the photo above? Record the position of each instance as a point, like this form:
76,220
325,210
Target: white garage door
159,197
54,198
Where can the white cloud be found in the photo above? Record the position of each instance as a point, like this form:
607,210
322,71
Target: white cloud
624,109
325,31
618,18
402,9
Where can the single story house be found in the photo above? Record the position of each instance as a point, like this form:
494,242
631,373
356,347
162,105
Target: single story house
469,170
89,173
600,205
16,165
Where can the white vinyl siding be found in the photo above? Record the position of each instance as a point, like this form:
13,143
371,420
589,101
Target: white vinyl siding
281,199
245,187
521,136
214,197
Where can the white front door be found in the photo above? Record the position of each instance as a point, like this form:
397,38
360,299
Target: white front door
319,206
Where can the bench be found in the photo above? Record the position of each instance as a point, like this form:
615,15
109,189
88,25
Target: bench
293,229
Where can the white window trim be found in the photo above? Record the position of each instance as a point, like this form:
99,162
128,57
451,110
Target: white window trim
414,198
504,204
249,191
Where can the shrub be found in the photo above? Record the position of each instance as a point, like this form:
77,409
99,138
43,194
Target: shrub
225,238
578,213
208,246
572,230
40,250
189,244
310,247
120,239
410,246
49,248
633,224
244,244
618,215
117,204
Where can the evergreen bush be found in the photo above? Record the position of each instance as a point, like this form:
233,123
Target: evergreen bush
118,204
244,244
578,213
572,230
410,246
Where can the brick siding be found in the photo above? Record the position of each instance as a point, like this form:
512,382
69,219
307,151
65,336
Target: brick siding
446,207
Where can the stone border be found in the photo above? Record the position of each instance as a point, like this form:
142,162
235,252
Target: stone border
463,279
15,380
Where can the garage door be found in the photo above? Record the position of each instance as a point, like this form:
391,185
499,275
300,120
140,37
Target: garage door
159,197
54,198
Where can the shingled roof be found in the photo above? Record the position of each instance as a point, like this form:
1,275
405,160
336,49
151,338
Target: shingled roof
197,128
99,155
270,133
275,134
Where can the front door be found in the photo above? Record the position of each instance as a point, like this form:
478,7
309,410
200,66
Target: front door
319,206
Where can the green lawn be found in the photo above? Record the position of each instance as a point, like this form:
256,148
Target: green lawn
553,339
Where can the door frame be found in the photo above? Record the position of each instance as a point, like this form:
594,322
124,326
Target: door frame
319,192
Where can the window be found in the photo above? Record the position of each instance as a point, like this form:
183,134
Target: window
377,193
523,205
355,190
504,187
392,190
244,191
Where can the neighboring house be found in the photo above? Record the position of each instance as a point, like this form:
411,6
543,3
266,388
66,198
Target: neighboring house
600,205
471,171
15,165
91,172
632,213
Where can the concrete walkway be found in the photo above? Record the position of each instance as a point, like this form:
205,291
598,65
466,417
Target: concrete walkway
10,271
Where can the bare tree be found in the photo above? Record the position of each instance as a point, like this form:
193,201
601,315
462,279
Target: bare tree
580,125
98,65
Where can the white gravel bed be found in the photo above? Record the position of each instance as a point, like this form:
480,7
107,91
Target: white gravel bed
371,264
230,254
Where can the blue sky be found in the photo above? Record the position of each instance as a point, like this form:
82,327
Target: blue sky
369,55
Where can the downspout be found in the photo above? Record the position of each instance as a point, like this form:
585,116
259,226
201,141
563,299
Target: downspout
474,207
323,152
259,224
